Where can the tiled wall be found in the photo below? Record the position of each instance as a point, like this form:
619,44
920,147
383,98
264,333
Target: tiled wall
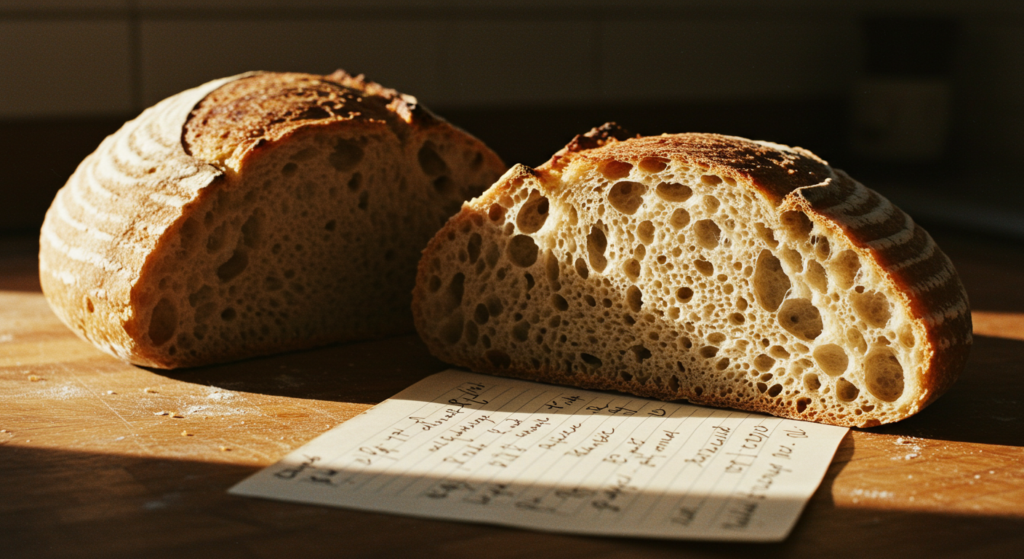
66,57
111,58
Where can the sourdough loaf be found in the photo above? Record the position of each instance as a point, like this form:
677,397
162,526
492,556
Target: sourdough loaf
702,267
255,214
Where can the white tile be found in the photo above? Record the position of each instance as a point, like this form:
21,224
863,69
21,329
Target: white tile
520,62
50,68
180,54
723,59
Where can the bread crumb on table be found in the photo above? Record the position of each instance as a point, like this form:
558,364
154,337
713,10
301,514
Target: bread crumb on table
186,434
225,449
34,378
159,413
149,390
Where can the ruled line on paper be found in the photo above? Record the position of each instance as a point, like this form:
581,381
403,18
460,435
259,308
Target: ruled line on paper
477,448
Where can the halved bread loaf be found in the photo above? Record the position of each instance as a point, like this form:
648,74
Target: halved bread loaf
255,214
716,269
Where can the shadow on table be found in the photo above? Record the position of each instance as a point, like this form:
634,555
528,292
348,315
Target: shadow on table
62,503
362,372
986,405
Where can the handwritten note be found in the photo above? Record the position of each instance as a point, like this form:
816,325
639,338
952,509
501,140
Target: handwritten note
476,448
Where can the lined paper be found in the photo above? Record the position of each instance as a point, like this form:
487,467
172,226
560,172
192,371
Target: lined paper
469,447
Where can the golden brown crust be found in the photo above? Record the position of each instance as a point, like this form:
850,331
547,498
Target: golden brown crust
774,172
247,113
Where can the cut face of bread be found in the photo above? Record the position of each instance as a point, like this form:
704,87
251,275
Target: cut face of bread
257,214
703,267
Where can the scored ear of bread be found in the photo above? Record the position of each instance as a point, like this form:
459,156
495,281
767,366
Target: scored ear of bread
255,214
701,267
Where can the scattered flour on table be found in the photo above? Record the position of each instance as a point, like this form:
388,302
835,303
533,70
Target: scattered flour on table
872,494
915,450
65,392
6,338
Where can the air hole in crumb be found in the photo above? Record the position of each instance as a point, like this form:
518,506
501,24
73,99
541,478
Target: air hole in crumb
559,302
641,353
708,233
845,266
680,218
872,307
816,276
597,243
430,161
846,390
533,213
708,351
443,185
645,231
89,307
763,363
234,266
775,390
473,247
832,359
673,192
710,180
452,328
883,375
591,359
494,305
346,155
856,340
766,235
812,382
522,251
453,295
481,315
521,330
616,169
496,213
737,318
653,164
704,267
289,169
163,323
770,281
627,196
498,358
797,224
581,268
331,225
800,318
632,269
801,404
821,247
228,314
634,298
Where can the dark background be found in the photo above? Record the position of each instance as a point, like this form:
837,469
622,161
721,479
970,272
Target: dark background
921,100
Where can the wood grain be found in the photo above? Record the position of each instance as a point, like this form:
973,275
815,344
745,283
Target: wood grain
89,469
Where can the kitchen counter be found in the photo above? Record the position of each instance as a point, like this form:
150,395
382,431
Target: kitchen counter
88,467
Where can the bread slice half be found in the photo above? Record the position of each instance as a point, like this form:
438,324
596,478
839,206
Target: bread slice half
702,267
255,214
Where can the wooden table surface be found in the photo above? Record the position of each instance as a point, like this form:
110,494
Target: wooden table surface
87,468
